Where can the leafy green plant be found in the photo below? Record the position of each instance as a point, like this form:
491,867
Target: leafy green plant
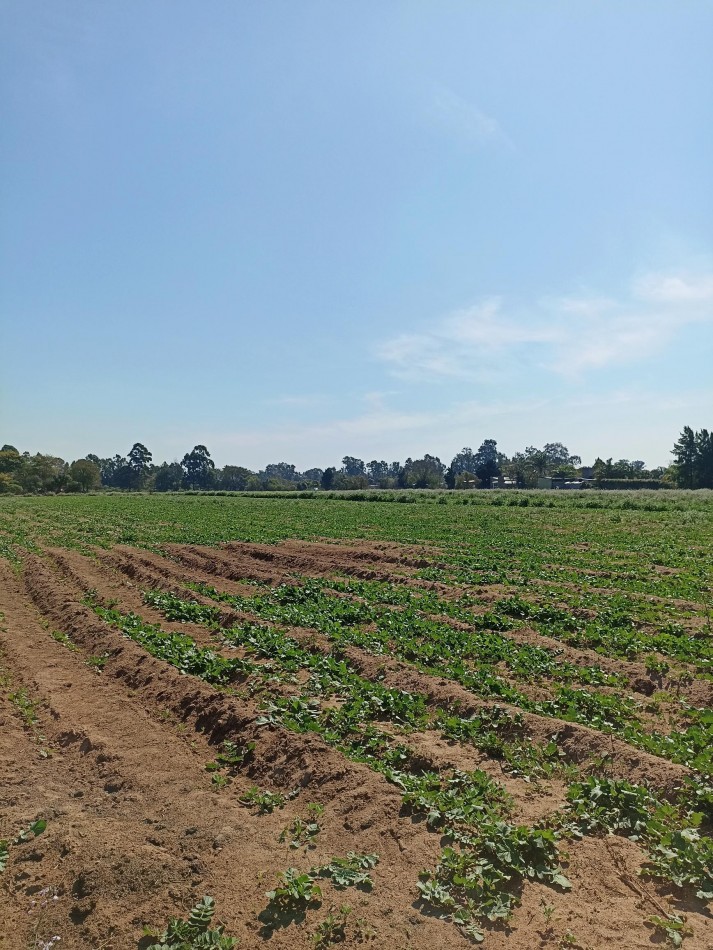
351,871
266,802
295,890
333,929
301,833
481,879
677,851
33,830
194,933
26,707
231,757
673,927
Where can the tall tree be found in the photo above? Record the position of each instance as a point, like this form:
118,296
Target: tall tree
237,478
139,460
427,472
85,475
704,459
684,458
168,477
487,464
353,467
328,476
281,470
198,467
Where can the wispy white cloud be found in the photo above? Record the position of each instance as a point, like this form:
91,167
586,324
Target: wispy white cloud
464,119
568,335
625,422
298,401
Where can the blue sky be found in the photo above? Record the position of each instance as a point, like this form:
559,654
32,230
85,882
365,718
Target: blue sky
294,231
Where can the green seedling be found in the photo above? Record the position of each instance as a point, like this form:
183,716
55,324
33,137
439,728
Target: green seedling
295,891
333,928
64,639
195,933
300,834
231,757
266,802
26,707
351,871
33,830
97,662
673,927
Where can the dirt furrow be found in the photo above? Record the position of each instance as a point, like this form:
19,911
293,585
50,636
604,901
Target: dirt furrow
579,743
361,806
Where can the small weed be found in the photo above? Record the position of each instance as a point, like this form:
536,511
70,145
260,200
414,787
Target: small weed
27,709
64,639
333,928
97,662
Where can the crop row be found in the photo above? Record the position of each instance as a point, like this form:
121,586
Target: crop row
470,657
483,868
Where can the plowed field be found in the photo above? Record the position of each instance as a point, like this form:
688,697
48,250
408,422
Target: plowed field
447,743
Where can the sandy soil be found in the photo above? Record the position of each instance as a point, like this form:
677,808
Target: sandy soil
137,831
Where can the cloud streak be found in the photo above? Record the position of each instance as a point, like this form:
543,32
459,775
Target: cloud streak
569,336
464,119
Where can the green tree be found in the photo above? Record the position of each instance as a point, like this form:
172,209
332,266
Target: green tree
85,475
40,474
378,473
487,462
313,476
461,471
280,471
684,458
11,463
237,478
198,467
427,472
704,459
328,476
168,477
353,467
139,462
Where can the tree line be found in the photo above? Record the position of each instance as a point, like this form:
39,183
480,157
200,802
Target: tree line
22,473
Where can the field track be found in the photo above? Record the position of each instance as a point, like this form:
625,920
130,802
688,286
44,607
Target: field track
109,744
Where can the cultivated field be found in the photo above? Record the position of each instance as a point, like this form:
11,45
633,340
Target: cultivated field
419,722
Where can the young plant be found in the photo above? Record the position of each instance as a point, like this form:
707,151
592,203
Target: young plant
352,871
266,802
64,639
33,830
295,891
232,756
195,933
333,929
673,927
